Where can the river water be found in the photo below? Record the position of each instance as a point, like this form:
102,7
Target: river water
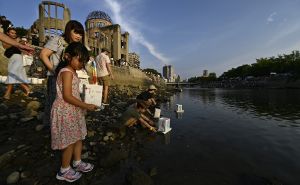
236,137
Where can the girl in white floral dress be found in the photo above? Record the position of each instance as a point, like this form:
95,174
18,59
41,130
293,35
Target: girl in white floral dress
68,127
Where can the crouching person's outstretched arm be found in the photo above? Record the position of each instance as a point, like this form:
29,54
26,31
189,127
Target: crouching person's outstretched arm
146,124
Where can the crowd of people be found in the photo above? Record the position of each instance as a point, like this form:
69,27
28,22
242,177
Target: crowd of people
65,111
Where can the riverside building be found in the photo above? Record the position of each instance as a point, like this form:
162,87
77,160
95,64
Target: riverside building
169,73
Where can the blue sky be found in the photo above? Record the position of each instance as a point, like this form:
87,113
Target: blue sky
191,35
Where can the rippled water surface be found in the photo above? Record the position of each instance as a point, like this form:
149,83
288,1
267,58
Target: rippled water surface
239,137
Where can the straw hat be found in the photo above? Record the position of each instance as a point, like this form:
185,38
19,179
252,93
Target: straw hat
152,87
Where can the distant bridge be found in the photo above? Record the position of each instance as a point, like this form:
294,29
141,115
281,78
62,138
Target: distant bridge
181,83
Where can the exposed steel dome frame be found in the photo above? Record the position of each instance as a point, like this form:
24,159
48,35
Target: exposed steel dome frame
99,15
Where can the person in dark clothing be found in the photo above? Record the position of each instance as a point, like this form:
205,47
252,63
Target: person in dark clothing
35,37
134,115
148,97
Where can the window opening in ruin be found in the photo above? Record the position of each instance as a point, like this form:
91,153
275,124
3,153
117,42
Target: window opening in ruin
101,38
101,24
55,12
123,44
60,13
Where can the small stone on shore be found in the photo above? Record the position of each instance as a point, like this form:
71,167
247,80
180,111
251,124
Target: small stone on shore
39,127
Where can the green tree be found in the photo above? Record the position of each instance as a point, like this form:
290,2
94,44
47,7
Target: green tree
212,75
286,63
152,71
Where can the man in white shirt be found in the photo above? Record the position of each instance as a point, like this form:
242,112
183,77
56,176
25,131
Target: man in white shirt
104,72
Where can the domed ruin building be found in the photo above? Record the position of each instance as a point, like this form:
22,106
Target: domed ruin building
102,33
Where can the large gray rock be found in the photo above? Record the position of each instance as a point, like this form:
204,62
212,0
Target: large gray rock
13,178
3,106
33,105
6,158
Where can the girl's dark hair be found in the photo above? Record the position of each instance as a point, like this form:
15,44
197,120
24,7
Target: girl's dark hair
74,49
73,25
6,24
10,28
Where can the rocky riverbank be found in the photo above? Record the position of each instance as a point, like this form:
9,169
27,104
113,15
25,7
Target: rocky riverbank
26,156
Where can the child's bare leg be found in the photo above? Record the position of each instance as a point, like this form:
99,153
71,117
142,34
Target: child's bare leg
67,156
77,163
8,91
77,150
130,122
105,94
26,89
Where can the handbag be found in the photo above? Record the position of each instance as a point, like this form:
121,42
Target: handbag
37,69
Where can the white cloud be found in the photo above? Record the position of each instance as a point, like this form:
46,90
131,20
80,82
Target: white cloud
271,17
136,35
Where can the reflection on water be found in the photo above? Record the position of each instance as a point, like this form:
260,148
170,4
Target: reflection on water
167,138
179,115
205,95
236,137
262,103
170,104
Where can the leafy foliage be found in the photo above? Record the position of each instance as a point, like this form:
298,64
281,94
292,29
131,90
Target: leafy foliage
264,66
211,77
152,71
